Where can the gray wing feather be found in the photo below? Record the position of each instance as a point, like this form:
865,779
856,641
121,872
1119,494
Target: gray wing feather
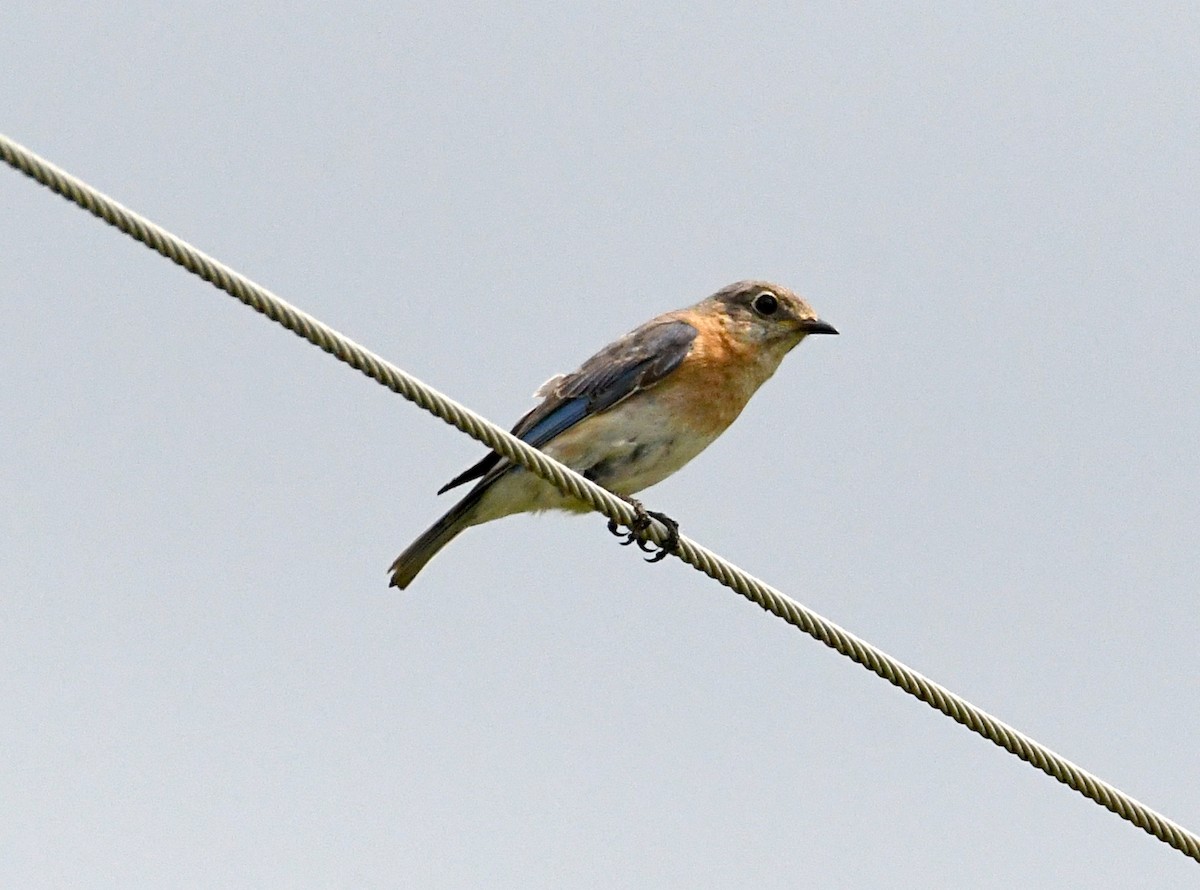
633,363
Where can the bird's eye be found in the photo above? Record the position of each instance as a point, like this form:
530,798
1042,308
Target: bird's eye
766,303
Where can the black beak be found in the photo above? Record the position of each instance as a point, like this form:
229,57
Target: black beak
816,326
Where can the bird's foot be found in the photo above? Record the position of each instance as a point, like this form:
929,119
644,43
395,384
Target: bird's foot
642,521
670,545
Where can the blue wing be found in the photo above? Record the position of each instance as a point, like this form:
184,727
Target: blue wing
633,363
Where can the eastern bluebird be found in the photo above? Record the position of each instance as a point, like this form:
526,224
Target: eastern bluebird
636,411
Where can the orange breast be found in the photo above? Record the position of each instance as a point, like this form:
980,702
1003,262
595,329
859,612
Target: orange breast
713,384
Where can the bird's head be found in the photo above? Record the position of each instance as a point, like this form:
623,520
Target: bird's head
767,313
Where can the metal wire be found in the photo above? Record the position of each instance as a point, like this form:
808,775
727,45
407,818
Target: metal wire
562,477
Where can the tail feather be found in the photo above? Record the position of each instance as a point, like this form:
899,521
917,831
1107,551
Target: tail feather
433,539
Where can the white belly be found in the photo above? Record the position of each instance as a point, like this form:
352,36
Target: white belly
625,450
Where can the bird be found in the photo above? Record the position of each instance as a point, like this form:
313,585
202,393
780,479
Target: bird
635,412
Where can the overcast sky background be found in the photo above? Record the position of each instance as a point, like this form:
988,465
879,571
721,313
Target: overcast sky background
993,474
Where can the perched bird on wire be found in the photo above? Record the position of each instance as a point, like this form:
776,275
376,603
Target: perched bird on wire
635,412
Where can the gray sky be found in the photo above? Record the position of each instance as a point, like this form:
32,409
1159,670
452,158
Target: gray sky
993,473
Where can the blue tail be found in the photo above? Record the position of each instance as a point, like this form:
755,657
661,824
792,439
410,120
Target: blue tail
433,539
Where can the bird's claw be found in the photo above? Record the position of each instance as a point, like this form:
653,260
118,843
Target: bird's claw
615,528
670,545
642,521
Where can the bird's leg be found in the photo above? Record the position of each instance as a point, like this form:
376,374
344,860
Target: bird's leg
641,522
670,545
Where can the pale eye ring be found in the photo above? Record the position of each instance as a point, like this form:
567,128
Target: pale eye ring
766,303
